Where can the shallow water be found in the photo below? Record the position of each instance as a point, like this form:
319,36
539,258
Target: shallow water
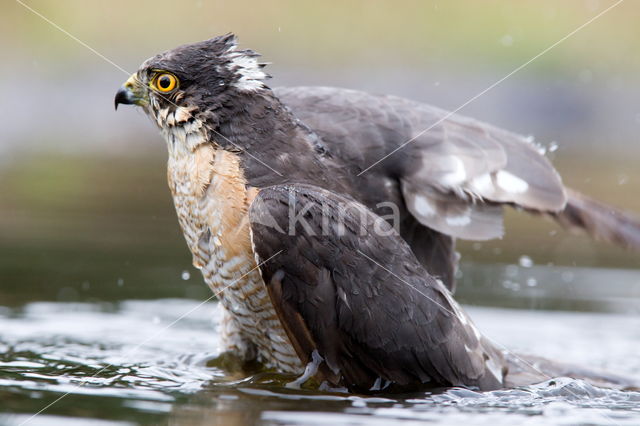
141,362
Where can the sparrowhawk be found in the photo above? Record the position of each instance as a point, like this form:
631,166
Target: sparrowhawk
339,290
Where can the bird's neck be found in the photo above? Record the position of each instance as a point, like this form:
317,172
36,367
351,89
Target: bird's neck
274,144
253,117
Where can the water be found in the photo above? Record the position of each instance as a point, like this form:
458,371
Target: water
146,361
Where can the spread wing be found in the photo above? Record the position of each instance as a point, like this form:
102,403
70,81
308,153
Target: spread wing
454,177
346,285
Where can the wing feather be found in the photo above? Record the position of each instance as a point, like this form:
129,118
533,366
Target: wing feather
454,177
361,298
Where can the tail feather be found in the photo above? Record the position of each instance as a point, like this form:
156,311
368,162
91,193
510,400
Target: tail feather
599,220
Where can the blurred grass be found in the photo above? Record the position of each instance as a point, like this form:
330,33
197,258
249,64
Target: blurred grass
495,32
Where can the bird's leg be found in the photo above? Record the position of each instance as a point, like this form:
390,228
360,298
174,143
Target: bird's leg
309,371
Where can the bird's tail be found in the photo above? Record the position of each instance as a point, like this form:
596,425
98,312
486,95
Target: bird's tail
599,220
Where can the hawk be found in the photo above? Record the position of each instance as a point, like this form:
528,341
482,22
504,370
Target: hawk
285,218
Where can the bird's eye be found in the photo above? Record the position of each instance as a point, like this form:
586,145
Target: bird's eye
165,82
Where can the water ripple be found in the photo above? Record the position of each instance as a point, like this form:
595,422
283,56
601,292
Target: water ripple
94,354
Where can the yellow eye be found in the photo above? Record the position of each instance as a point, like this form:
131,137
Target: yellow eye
165,82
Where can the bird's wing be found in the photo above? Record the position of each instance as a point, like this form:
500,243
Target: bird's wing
455,173
460,171
347,286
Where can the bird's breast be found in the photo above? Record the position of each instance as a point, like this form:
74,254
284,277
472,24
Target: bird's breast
212,198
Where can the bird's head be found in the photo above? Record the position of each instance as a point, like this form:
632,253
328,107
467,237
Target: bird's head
194,81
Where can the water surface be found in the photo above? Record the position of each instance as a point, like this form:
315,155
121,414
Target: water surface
142,362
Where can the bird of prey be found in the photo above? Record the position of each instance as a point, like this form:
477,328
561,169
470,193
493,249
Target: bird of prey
290,225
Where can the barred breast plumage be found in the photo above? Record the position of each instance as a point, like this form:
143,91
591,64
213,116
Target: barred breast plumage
211,198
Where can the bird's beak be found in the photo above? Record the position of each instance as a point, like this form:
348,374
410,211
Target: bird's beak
131,93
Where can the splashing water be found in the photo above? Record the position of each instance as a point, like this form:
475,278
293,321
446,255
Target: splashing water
48,349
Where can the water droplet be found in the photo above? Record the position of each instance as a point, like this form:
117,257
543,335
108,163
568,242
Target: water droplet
477,246
156,320
525,262
506,40
86,285
120,282
623,179
185,275
532,282
553,147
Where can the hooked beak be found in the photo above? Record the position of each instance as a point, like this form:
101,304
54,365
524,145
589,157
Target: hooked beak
131,93
123,96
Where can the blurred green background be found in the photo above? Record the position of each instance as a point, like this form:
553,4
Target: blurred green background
85,214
